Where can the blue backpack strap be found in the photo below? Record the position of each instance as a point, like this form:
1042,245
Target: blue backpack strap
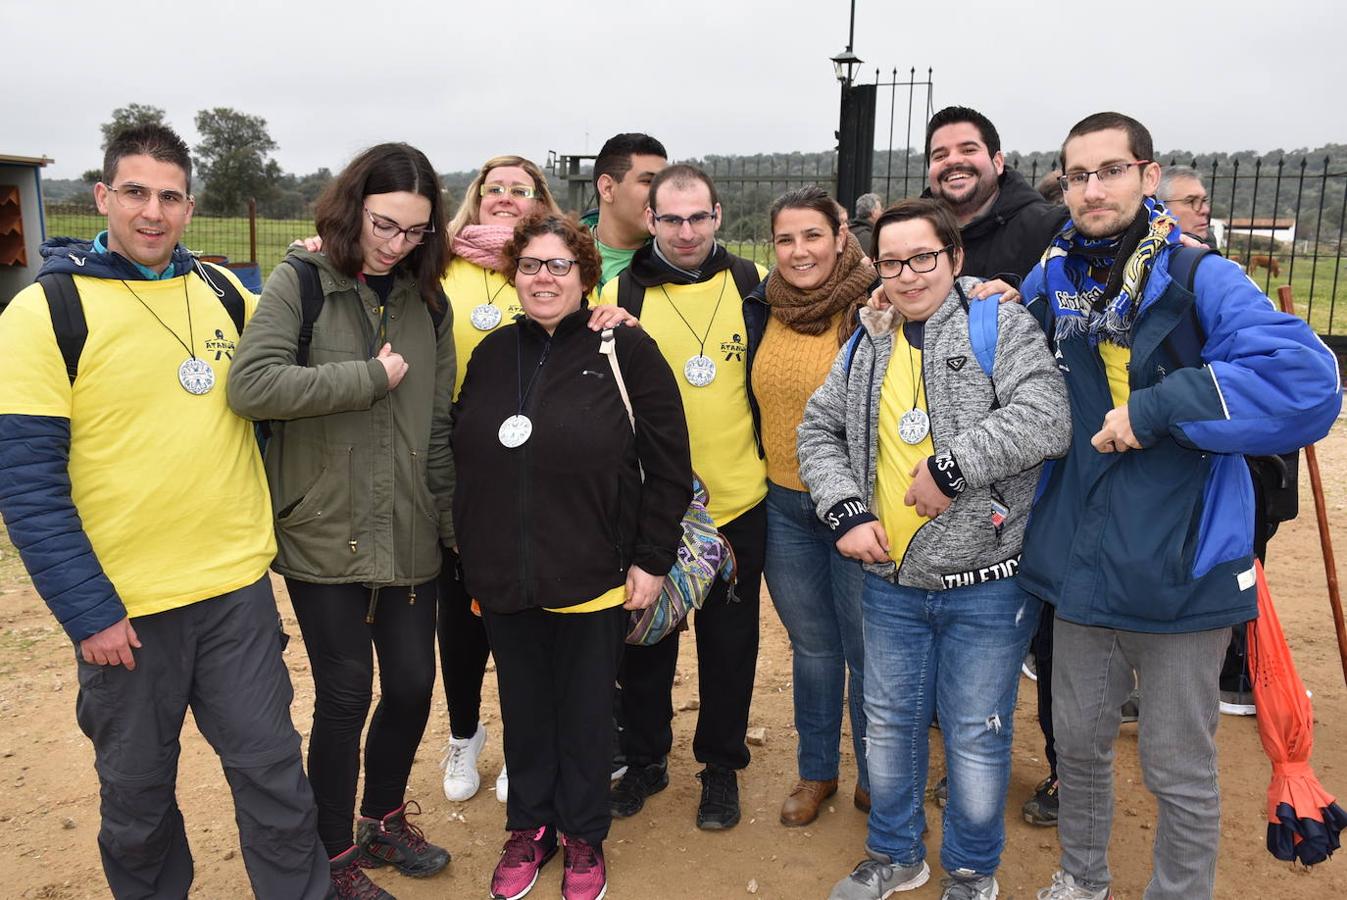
983,327
1184,343
852,344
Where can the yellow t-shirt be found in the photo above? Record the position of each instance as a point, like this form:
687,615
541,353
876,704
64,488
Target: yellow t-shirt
607,600
1116,360
893,471
720,423
468,285
169,485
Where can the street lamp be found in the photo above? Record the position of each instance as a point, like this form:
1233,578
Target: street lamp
846,64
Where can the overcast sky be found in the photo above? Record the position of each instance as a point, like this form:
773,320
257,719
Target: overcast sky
465,81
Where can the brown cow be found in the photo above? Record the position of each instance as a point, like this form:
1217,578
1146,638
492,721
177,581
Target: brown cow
1267,262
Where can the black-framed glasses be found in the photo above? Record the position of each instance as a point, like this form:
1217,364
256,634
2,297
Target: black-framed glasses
1109,174
920,263
696,220
135,196
517,191
1192,201
386,230
558,267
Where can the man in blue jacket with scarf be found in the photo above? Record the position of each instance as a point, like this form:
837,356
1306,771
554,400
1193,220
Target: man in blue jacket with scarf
1142,539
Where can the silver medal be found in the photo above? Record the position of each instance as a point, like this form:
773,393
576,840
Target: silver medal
485,316
700,370
914,426
514,431
196,376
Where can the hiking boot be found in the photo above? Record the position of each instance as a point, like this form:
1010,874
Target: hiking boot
393,841
940,793
586,875
860,798
349,881
1064,887
1238,703
876,877
965,884
802,806
461,779
630,793
523,856
1041,808
719,807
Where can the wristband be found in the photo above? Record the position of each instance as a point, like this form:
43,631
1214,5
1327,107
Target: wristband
946,473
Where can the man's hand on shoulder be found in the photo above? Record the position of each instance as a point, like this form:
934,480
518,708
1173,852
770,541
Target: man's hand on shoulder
112,646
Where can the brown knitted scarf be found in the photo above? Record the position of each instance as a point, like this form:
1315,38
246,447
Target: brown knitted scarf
845,291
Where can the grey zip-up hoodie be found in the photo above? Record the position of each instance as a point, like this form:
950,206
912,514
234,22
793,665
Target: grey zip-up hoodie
997,441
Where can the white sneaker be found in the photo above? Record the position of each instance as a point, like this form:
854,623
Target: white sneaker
502,786
461,780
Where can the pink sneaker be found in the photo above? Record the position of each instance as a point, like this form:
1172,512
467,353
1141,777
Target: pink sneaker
524,853
585,876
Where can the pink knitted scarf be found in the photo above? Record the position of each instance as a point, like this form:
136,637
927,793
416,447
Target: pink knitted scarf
482,244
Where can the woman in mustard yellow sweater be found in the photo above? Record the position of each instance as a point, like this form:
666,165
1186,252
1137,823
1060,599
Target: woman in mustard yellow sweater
820,281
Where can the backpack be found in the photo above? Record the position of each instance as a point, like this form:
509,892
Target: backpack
72,329
631,295
983,329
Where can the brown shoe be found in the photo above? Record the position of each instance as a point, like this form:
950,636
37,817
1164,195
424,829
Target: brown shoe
862,799
801,807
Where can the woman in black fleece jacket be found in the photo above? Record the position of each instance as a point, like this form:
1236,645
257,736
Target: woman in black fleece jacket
560,536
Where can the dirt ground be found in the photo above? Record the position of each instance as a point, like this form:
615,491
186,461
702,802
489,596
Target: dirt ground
49,803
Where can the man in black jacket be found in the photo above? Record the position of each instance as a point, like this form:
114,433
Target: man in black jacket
1004,222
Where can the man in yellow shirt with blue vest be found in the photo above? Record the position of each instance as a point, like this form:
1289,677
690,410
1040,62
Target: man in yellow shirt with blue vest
138,504
690,295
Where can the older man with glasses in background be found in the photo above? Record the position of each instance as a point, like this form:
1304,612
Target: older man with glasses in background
1183,194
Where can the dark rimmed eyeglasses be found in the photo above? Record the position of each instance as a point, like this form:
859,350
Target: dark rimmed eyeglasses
386,230
1192,201
1109,174
920,263
558,267
696,220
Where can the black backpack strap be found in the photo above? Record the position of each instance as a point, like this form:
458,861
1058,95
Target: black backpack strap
67,318
630,294
745,274
1186,340
1183,265
310,302
439,311
230,298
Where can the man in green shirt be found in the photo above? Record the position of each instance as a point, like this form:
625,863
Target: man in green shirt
622,175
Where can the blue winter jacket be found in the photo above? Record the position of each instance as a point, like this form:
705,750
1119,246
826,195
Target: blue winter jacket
1160,539
35,482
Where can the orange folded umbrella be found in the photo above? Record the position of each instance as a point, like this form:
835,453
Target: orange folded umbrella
1304,822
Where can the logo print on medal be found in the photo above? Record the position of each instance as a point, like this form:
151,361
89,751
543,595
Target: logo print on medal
956,362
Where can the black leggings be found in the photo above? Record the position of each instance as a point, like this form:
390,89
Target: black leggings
463,650
341,649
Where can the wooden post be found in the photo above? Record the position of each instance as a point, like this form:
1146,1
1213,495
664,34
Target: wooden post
252,230
1321,514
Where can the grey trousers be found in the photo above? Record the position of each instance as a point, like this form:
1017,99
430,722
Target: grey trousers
1177,675
222,658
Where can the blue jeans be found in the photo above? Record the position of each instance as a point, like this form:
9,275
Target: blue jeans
957,651
817,593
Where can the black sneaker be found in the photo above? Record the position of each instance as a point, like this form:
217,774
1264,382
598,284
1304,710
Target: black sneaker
940,793
393,841
1041,808
349,881
639,782
719,808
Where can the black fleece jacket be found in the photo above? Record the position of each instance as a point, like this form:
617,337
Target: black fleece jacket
1009,238
557,521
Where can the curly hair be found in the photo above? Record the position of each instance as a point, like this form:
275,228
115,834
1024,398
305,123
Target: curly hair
340,213
575,236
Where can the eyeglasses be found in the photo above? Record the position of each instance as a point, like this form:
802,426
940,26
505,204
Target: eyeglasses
529,265
517,191
385,230
920,264
1076,181
135,196
696,220
1193,201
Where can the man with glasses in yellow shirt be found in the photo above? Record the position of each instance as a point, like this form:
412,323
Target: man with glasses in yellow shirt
138,503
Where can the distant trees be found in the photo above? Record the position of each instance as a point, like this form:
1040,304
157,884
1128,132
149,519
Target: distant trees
127,117
233,158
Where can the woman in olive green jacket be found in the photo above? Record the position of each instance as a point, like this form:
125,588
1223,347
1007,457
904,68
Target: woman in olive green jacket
362,484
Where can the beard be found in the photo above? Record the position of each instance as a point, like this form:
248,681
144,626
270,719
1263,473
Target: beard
983,189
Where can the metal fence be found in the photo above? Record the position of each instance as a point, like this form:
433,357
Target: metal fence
1311,193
